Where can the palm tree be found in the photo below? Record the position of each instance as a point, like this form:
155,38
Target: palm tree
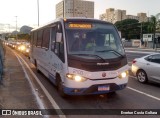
153,26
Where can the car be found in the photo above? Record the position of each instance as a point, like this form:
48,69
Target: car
147,68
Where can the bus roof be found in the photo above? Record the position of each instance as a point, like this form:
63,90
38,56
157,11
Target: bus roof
71,19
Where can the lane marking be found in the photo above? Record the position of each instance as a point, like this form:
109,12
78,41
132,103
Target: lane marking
53,101
132,76
39,102
54,104
140,52
148,95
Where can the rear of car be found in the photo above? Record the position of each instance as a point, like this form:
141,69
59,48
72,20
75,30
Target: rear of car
137,64
147,68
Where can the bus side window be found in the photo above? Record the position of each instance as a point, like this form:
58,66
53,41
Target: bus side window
39,38
35,38
46,38
32,38
53,38
59,49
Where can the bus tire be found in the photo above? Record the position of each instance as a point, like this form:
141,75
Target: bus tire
37,67
60,88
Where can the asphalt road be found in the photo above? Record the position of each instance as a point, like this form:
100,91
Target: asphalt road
135,96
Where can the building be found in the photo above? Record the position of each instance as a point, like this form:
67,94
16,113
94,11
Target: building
142,17
119,15
113,15
132,17
75,8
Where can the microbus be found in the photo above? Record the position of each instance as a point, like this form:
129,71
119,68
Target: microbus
81,56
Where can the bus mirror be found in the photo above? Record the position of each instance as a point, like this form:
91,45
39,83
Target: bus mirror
56,51
59,37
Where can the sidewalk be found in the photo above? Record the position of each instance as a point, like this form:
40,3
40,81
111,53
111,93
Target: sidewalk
15,91
143,49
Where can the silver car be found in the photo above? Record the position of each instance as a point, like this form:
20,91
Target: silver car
147,68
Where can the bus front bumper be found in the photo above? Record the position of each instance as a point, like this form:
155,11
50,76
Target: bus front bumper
95,89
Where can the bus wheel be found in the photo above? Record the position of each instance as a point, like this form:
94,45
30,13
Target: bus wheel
37,67
60,89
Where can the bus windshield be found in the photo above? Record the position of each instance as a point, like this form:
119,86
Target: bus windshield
100,39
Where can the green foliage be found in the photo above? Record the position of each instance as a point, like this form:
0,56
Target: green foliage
153,27
21,36
153,24
24,37
131,28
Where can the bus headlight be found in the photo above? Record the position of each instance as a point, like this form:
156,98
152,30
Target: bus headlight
76,78
123,74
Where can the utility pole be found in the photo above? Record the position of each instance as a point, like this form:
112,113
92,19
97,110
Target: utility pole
141,35
38,11
73,8
16,27
141,31
9,27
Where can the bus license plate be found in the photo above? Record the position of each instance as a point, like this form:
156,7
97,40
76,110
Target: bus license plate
103,88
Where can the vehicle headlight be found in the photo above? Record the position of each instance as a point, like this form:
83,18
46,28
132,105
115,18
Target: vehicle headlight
76,78
123,74
27,50
23,47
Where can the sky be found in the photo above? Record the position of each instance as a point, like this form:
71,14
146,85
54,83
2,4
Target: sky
26,10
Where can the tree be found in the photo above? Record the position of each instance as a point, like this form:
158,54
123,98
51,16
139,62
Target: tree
153,27
25,29
129,28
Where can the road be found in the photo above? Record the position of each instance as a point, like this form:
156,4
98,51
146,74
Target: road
135,96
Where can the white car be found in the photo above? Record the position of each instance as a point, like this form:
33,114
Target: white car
147,68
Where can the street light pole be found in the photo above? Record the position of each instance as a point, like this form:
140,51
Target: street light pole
9,27
73,9
16,27
141,36
38,11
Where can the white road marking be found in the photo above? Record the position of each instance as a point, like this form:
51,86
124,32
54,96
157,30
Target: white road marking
133,77
50,97
40,103
151,96
54,104
140,52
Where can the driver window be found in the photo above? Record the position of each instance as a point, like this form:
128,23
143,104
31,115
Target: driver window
110,41
53,38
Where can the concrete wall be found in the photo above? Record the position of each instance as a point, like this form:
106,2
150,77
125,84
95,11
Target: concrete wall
127,44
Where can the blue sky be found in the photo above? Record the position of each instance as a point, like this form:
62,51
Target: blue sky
26,10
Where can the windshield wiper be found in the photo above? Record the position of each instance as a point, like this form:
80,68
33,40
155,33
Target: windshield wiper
93,55
111,50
